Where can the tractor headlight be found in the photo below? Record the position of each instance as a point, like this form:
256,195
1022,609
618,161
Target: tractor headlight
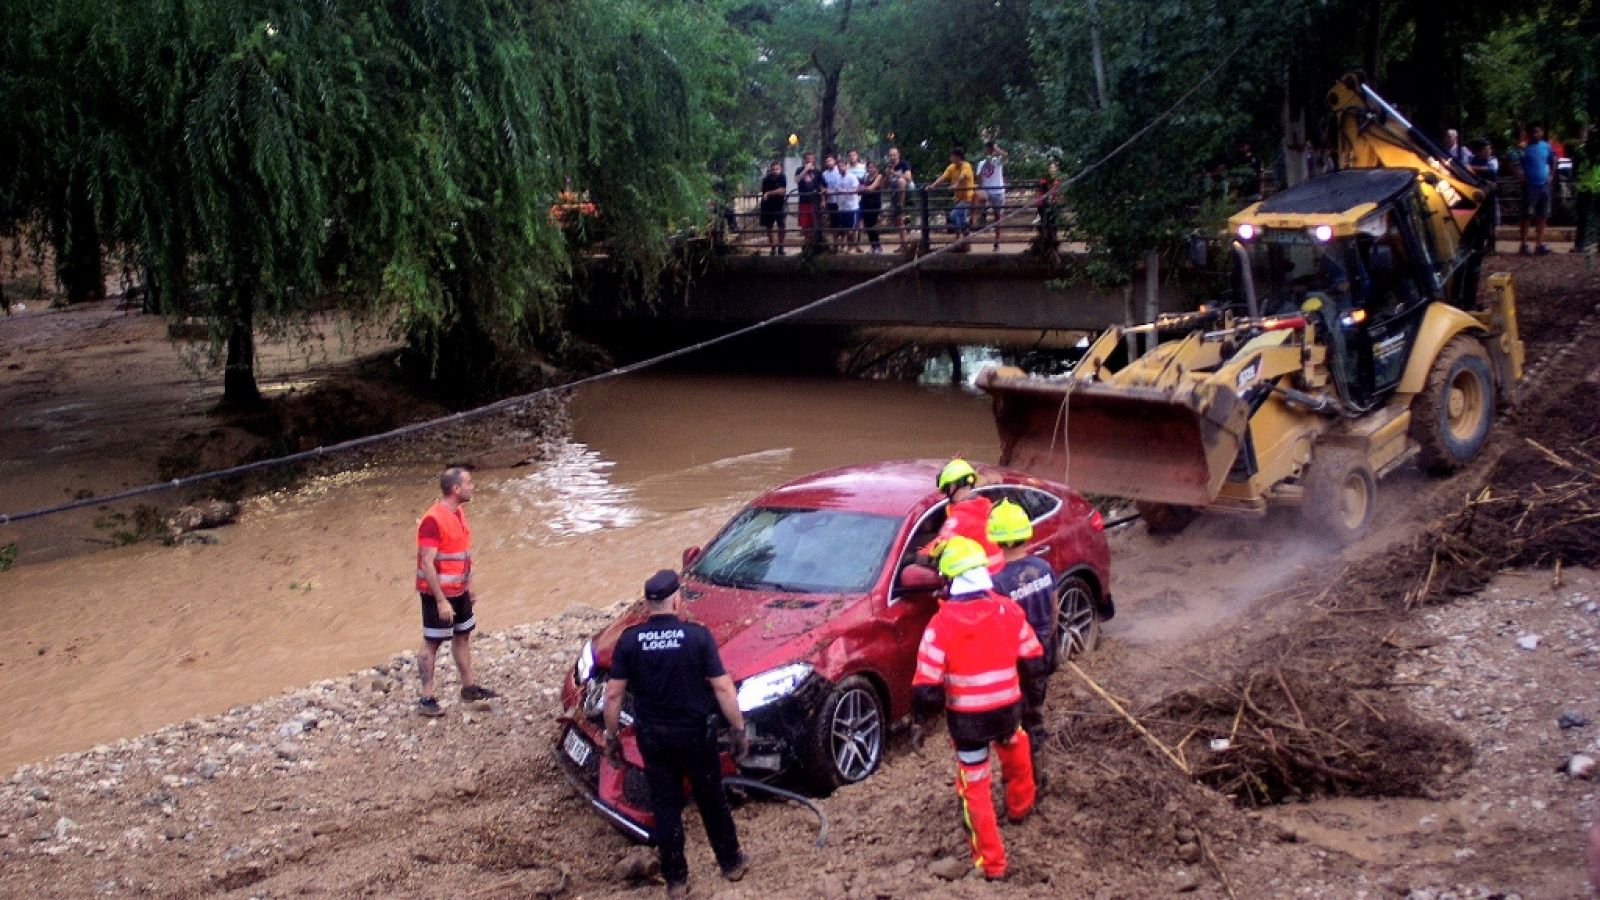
759,690
585,666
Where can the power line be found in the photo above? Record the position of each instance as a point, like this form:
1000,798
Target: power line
617,372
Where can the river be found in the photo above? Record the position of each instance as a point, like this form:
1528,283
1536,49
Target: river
316,582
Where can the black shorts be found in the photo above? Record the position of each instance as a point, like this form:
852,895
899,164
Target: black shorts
770,218
435,630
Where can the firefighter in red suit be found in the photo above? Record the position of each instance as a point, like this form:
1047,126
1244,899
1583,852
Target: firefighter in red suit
974,654
967,514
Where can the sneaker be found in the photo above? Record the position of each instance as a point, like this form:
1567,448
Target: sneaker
429,707
678,891
1541,250
477,692
1523,250
737,870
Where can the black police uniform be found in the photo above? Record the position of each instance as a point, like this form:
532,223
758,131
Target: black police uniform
1032,583
667,662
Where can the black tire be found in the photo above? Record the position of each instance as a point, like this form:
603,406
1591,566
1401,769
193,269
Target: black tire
1450,419
1077,618
1165,518
1340,495
847,737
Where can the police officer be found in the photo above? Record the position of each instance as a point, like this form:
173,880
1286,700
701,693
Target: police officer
676,676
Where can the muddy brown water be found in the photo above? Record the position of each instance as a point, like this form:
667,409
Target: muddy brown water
316,583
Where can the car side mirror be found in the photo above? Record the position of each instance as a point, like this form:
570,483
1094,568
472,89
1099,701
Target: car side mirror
690,554
918,579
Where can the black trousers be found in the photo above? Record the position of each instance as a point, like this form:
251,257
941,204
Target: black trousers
670,756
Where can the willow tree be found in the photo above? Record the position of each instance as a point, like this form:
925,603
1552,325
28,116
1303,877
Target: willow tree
399,158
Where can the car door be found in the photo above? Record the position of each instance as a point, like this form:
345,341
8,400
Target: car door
906,613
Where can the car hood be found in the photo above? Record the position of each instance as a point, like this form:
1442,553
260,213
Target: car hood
754,630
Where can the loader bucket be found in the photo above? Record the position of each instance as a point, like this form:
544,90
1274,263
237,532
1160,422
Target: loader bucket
1164,445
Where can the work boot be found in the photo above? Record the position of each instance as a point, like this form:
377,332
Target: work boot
429,708
678,891
739,867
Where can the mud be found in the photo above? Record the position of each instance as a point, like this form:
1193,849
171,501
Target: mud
473,804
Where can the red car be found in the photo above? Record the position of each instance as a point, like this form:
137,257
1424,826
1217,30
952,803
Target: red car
815,601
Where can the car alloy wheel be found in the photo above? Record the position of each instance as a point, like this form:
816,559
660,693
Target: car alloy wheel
1077,626
855,733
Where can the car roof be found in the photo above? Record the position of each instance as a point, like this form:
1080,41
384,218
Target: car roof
891,487
1340,191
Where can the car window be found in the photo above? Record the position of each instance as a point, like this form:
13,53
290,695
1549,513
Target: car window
808,551
1036,503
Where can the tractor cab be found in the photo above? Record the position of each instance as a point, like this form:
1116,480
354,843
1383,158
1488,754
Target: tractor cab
1351,250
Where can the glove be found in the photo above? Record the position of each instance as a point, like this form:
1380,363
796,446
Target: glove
739,744
614,749
919,736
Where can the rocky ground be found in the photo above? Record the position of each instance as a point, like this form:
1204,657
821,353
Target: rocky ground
1449,705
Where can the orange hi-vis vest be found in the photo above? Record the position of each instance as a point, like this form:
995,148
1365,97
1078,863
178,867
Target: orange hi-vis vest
972,647
970,519
454,561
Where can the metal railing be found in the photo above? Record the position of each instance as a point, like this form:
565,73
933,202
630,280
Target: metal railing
912,221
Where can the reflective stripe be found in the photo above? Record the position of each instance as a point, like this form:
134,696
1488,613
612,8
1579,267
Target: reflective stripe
973,757
983,679
982,702
466,555
446,579
929,672
932,651
468,625
437,633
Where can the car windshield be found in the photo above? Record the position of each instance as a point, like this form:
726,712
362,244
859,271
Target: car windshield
806,551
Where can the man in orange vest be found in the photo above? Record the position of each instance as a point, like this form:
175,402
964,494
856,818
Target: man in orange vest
968,664
444,580
966,513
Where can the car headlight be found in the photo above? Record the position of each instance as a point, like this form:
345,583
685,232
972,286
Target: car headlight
585,666
759,690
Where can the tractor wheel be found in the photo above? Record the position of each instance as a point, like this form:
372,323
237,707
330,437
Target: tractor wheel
1340,495
1165,518
1450,419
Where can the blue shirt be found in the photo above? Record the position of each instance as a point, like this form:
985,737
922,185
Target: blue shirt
1537,159
1031,583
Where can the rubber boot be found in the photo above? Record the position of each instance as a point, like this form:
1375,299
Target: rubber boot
977,813
1016,767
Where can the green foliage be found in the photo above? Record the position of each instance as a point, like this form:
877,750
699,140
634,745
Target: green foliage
8,557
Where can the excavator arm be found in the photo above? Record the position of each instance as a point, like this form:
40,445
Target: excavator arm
1374,135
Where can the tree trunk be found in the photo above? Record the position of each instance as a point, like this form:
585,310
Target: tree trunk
1373,57
826,134
239,389
1097,57
1293,121
1430,54
79,262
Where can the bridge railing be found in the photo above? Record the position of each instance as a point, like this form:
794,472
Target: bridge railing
915,220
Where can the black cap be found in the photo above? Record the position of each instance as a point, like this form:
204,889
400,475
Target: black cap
661,585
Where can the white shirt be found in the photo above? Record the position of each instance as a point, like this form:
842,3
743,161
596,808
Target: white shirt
992,172
851,201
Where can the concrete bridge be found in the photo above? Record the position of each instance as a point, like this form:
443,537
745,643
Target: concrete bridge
1005,297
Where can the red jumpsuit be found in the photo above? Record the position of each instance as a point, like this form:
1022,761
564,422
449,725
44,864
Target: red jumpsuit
969,518
968,663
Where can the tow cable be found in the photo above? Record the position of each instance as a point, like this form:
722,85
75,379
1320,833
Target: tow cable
751,784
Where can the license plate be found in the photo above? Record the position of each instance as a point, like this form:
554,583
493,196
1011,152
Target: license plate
577,748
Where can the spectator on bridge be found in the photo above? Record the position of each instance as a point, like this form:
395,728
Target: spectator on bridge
898,173
1481,160
1538,165
872,204
845,189
856,166
1453,147
774,188
808,190
832,171
1048,203
992,178
958,175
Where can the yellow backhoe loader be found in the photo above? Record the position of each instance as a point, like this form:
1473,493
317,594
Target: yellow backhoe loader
1353,340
